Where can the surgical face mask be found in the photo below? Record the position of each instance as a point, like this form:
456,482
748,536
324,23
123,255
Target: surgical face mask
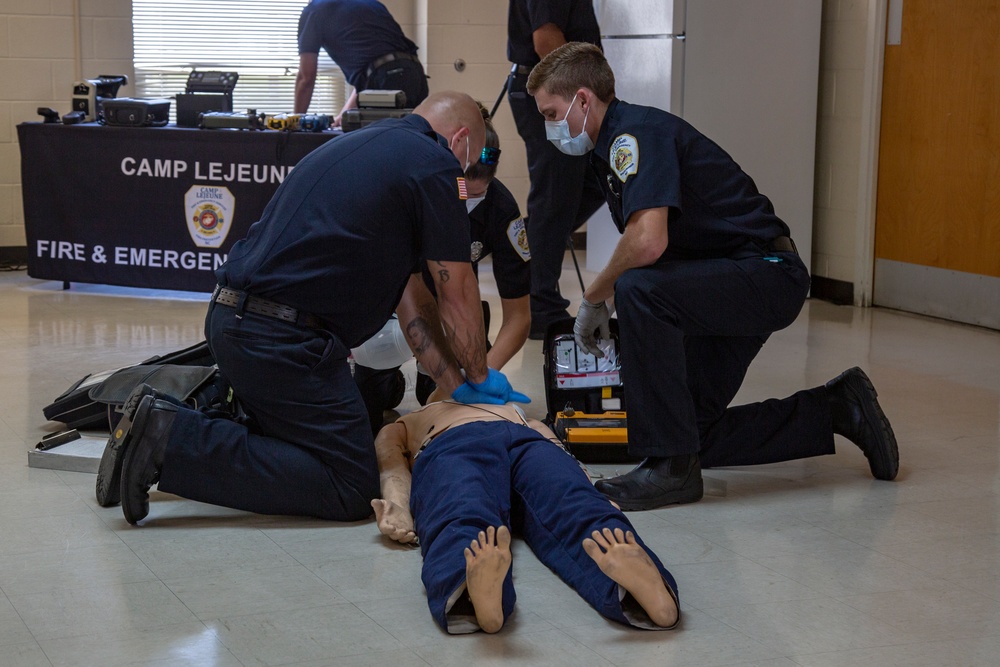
557,131
473,202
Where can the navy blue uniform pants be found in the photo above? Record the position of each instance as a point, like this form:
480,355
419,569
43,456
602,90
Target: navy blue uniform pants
497,473
689,330
564,193
405,75
306,447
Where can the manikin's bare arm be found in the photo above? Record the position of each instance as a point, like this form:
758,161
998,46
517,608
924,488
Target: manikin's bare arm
392,513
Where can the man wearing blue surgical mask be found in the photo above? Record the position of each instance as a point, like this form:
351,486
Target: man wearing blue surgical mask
704,272
558,132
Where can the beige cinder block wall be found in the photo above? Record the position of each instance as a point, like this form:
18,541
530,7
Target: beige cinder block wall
46,45
464,47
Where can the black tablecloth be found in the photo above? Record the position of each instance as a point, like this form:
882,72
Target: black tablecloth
146,207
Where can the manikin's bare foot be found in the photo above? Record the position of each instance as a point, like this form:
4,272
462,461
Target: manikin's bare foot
628,565
486,563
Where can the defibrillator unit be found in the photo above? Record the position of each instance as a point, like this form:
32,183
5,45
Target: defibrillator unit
585,396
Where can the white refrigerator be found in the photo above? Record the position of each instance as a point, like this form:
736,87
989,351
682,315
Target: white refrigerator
743,72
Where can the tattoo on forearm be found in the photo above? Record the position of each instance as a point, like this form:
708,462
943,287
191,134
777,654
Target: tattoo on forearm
426,338
443,274
419,335
470,348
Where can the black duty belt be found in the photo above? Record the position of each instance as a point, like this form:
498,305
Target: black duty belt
520,70
388,58
782,244
265,307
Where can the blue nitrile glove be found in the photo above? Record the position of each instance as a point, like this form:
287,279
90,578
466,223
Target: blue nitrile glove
466,394
590,317
495,389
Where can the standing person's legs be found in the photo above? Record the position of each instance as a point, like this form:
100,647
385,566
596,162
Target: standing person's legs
563,195
460,489
560,510
307,447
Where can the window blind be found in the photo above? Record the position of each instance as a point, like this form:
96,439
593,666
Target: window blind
255,38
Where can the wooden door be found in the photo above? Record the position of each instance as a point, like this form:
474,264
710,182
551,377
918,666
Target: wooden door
938,207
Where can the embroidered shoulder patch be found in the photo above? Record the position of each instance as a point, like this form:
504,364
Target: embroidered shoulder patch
624,156
518,236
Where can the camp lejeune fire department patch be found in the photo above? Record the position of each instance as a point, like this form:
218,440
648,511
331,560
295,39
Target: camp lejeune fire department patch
624,156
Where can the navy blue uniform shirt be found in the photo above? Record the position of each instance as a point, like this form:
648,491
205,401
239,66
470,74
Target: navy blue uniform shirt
497,228
648,158
347,227
353,32
575,18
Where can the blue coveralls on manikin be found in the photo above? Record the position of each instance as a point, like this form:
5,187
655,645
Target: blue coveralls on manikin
563,193
493,473
338,242
692,322
366,43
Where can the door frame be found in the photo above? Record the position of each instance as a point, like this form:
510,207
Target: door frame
871,121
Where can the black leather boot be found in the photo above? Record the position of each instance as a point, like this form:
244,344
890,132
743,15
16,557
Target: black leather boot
109,472
858,417
144,449
656,482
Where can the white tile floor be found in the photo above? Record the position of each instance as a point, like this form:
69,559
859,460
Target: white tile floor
810,563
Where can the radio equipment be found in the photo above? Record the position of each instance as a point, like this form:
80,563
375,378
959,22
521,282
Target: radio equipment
136,112
220,120
205,92
382,99
88,95
373,106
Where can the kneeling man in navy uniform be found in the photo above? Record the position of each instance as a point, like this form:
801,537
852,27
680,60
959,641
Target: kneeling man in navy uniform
704,272
336,251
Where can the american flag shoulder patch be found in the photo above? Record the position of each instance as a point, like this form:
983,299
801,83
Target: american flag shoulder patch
463,191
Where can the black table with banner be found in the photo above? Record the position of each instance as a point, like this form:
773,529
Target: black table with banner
146,207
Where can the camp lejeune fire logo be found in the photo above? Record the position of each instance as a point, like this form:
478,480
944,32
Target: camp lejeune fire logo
209,214
624,156
518,237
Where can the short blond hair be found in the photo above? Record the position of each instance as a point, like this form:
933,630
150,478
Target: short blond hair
573,66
